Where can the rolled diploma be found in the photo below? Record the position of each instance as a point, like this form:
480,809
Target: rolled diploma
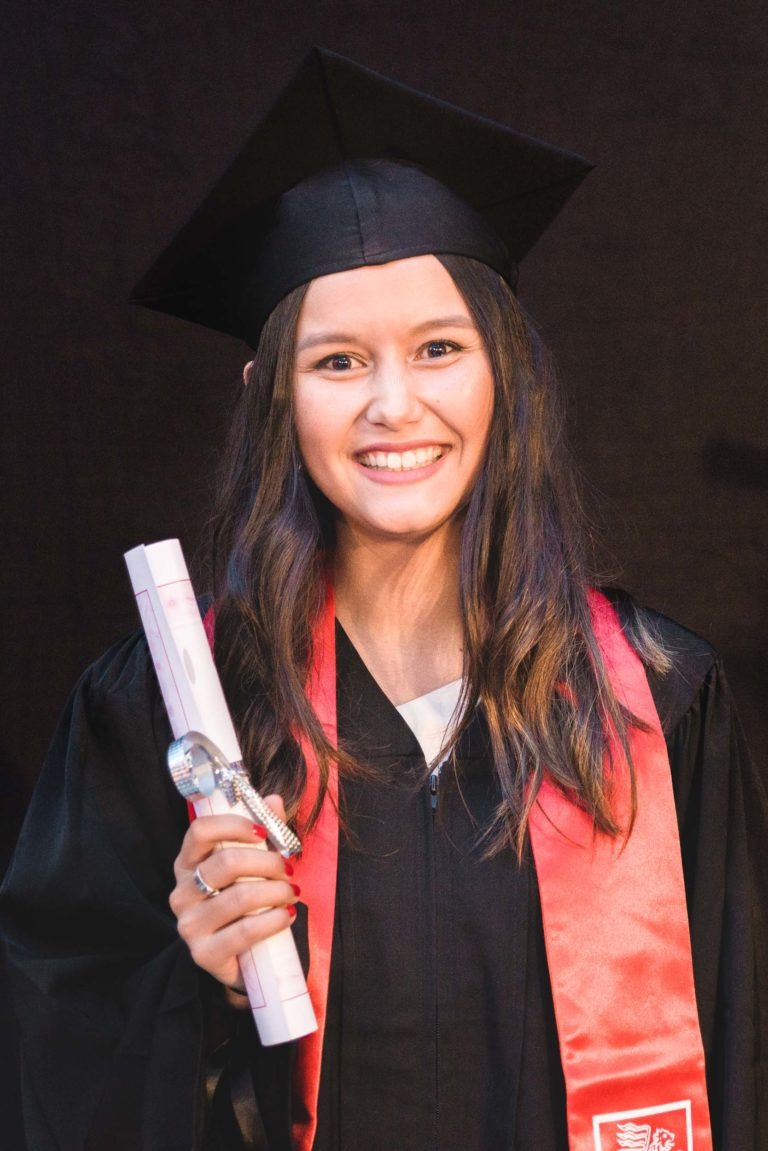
194,700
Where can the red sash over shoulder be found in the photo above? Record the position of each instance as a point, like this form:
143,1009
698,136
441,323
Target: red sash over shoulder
615,928
618,946
315,870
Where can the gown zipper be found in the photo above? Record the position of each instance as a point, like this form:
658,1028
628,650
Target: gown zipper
434,778
434,783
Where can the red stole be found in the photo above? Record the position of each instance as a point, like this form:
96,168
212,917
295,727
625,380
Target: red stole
615,928
618,947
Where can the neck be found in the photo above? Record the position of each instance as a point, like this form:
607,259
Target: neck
398,602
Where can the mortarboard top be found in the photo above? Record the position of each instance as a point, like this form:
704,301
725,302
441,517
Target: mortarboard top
350,168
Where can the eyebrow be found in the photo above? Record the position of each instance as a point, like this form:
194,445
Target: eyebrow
324,338
318,338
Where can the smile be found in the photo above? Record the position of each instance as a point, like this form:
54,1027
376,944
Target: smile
401,461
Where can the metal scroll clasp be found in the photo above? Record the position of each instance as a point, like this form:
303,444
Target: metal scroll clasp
198,767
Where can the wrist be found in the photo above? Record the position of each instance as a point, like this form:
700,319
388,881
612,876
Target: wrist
236,997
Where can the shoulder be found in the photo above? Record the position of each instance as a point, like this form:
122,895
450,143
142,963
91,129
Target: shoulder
119,691
105,789
110,744
122,667
691,659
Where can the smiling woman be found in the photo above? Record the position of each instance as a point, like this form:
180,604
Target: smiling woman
392,419
529,893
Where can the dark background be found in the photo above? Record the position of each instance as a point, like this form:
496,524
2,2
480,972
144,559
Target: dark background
652,289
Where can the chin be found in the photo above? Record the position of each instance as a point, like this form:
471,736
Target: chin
408,531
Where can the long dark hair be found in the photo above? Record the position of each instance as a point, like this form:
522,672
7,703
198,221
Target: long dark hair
531,658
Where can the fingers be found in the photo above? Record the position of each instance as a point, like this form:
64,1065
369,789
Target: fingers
207,831
232,862
237,902
206,916
243,856
219,928
217,952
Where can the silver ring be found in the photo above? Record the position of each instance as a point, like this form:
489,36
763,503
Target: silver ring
202,886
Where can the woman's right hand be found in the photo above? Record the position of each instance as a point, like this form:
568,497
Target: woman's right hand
218,928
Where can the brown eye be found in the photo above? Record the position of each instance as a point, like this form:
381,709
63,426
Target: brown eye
340,362
435,349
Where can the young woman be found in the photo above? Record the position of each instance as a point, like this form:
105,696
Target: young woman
528,896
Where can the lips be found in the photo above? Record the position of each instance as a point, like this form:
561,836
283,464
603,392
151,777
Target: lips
407,461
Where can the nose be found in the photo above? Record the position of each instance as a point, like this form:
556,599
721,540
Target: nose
393,401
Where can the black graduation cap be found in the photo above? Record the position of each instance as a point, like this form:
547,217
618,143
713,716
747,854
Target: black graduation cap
350,168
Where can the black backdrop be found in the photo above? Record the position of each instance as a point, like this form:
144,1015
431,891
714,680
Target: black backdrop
652,288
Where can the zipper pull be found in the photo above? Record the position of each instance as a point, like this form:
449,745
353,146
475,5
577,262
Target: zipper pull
434,776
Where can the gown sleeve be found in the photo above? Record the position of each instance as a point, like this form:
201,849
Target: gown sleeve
722,812
110,1003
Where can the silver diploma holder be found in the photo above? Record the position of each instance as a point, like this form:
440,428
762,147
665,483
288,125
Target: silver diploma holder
198,767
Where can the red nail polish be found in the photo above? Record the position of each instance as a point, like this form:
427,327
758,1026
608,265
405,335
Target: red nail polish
295,889
288,869
259,831
291,911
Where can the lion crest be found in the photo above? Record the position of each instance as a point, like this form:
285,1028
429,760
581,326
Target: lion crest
636,1137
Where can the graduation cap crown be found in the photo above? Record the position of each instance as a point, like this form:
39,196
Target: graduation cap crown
349,168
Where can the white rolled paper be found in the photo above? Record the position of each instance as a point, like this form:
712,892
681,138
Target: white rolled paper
194,700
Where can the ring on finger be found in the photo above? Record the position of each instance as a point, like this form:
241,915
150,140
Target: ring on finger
202,886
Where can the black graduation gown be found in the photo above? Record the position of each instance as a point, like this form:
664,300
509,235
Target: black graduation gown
122,1034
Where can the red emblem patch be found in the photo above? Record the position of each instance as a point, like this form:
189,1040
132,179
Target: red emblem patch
663,1128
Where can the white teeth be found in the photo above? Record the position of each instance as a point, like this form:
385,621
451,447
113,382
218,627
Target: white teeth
401,461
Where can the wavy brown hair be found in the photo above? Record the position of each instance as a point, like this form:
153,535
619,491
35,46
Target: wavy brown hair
531,658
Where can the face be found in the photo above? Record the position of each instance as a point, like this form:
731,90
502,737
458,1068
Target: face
393,396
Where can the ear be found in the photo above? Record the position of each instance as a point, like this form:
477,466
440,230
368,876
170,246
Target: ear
246,370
